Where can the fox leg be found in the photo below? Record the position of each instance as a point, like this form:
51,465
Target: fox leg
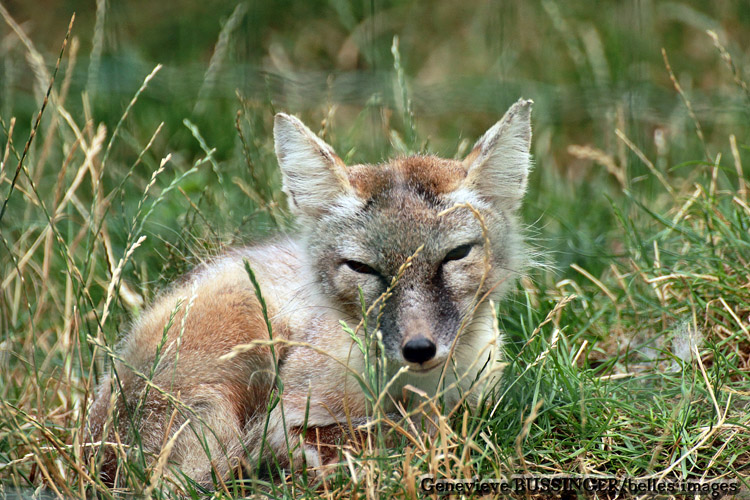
326,441
311,446
210,441
300,446
95,432
198,435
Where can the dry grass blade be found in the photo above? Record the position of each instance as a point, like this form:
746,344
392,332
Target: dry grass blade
97,47
602,158
35,58
219,56
708,431
161,460
38,116
114,281
8,147
742,191
525,432
688,105
124,116
598,283
621,135
727,58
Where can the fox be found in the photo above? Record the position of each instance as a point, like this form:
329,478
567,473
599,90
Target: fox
428,243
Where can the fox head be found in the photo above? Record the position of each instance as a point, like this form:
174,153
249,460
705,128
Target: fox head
438,235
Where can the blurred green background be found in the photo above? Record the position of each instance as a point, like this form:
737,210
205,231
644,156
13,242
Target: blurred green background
591,67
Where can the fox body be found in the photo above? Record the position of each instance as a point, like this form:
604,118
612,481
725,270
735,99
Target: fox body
197,370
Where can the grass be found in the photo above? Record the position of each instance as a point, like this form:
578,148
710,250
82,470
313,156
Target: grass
630,357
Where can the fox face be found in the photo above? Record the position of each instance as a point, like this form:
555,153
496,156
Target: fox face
438,237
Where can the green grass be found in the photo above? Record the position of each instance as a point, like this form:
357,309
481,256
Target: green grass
629,355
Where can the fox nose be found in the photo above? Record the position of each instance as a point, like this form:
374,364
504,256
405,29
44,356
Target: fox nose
419,350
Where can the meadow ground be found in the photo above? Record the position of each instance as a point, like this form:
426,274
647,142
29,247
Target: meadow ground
147,146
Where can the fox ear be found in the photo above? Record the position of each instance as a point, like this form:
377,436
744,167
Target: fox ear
498,165
313,176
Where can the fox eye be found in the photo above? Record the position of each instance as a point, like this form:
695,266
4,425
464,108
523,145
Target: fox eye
458,253
361,268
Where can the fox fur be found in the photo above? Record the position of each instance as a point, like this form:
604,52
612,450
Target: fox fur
360,226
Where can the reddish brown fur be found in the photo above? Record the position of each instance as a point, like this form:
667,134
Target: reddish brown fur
428,174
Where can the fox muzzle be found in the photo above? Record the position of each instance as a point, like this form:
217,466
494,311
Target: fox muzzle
419,350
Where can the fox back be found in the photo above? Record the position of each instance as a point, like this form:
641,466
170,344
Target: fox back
423,242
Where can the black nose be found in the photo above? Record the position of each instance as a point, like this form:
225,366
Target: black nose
419,350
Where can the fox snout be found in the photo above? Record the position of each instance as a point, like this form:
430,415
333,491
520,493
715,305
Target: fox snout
418,336
419,350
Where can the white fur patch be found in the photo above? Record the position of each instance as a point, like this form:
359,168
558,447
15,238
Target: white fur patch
467,195
346,206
